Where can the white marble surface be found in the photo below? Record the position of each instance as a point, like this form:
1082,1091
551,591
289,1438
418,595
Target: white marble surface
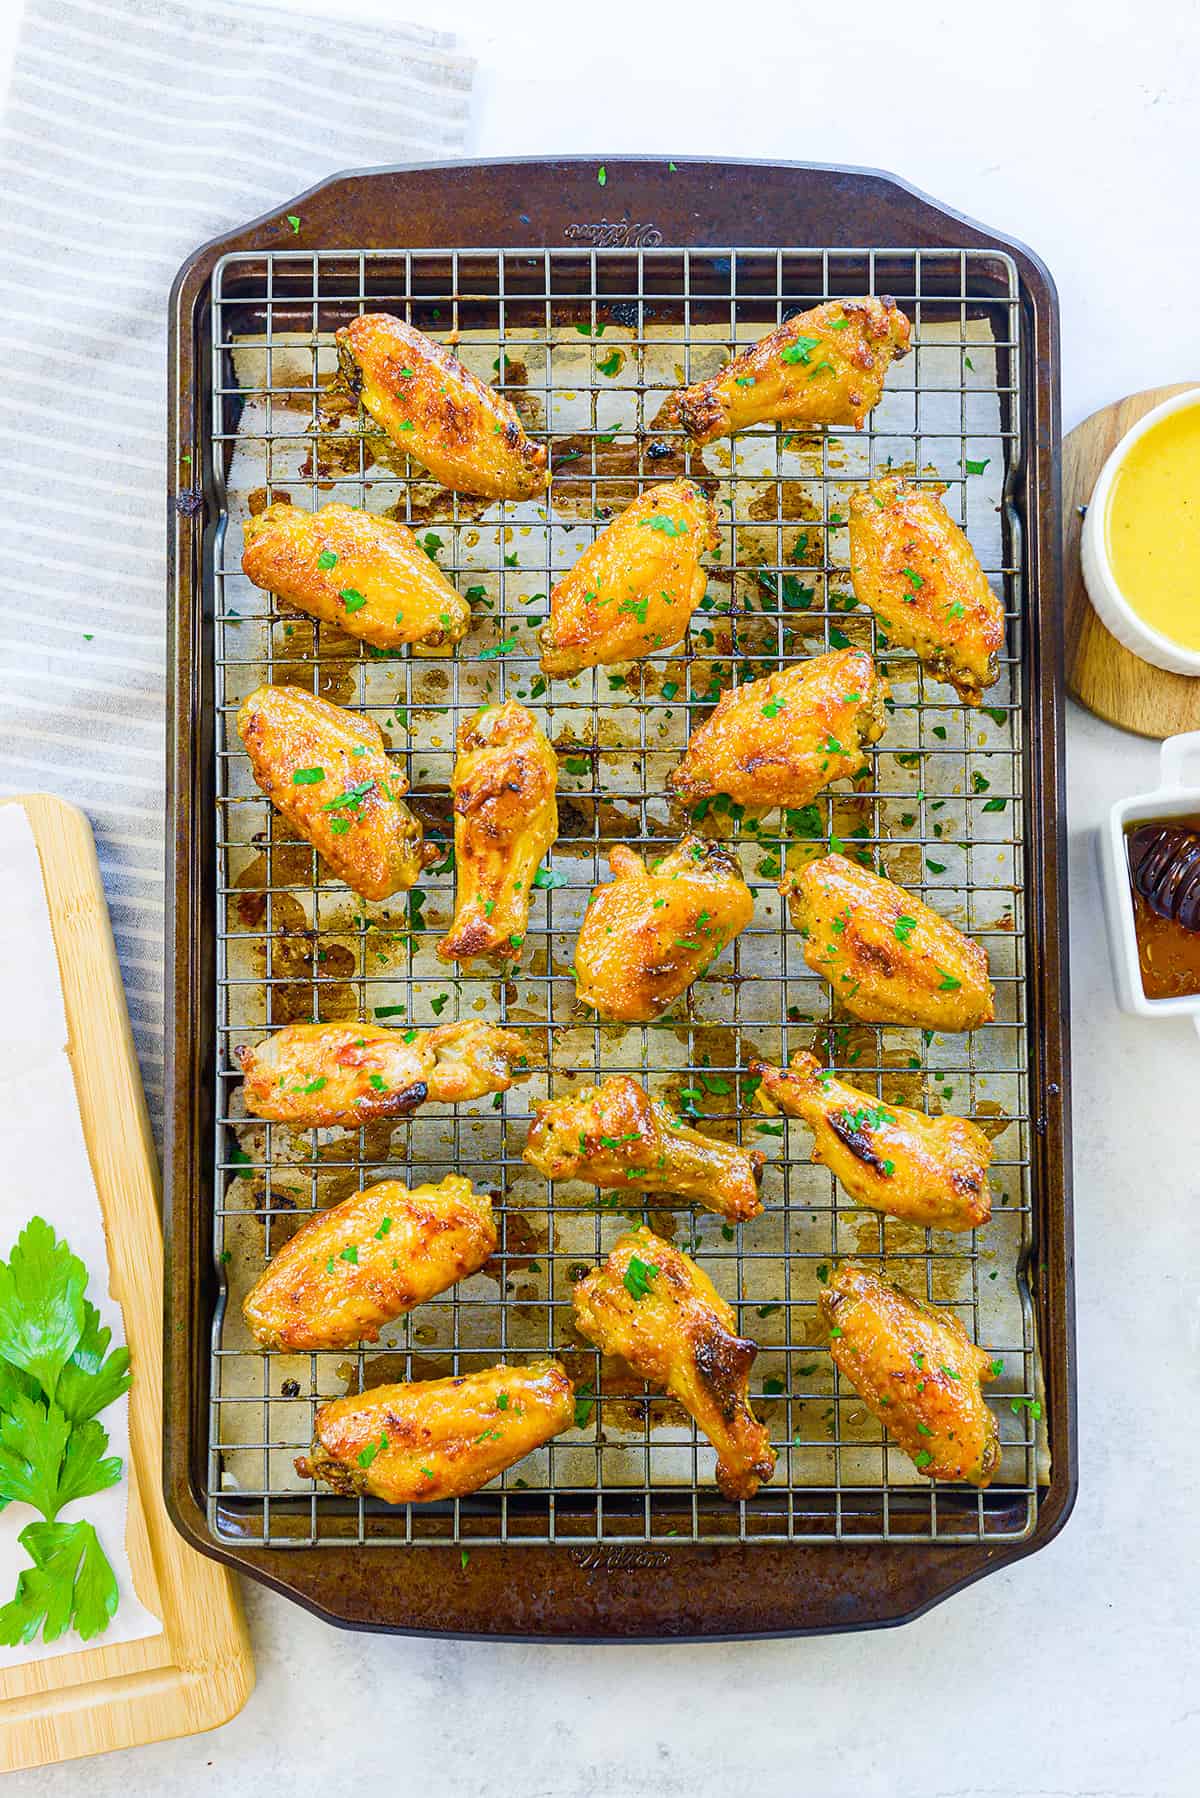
1073,1674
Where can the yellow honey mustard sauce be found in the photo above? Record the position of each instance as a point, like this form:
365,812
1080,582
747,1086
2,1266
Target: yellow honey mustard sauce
1153,527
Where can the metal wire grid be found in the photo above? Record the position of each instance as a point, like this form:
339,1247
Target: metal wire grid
589,344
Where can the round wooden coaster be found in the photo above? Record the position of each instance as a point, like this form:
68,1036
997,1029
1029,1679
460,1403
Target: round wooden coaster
1101,674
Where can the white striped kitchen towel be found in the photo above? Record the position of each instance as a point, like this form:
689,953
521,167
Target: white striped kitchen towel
135,130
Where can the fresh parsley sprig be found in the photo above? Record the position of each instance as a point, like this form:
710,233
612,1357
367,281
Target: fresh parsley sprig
57,1374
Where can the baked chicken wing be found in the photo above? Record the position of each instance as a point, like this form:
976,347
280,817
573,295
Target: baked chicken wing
913,566
444,417
780,740
824,367
621,1139
505,821
927,1170
889,958
430,1439
316,1076
917,1370
654,1307
635,589
350,1270
366,574
651,932
328,772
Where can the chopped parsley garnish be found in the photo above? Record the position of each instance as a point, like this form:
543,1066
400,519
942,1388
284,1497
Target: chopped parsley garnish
948,983
438,1005
903,928
368,1454
390,1011
293,219
801,350
602,175
669,527
638,1276
352,599
498,649
385,1224
549,879
585,1399
610,364
327,559
350,798
308,777
976,467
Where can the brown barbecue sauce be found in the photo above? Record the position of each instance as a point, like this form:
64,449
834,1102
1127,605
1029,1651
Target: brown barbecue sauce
1164,874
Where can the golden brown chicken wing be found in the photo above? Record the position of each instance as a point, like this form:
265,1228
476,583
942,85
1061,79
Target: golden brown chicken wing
654,1307
447,419
913,566
635,589
917,1370
366,574
652,931
328,772
779,740
889,958
824,367
431,1439
620,1138
348,1271
505,821
927,1170
315,1076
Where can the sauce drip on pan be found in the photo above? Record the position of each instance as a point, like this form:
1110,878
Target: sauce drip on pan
1164,869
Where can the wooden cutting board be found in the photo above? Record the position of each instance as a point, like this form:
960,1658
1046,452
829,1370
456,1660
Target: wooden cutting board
198,1672
1101,673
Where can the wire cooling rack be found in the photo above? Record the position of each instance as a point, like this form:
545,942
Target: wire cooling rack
589,344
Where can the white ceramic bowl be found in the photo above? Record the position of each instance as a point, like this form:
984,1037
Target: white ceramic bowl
1172,799
1112,608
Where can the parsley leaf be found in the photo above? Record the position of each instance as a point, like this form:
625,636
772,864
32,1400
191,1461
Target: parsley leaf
69,1585
41,1300
92,1378
549,878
